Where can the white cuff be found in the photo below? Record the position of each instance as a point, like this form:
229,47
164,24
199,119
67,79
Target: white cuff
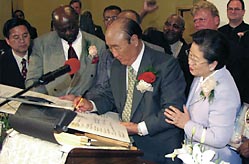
142,129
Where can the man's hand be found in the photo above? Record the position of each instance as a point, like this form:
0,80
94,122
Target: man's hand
244,147
131,127
82,105
68,97
148,7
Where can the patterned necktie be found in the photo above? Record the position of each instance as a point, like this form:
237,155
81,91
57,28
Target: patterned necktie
24,68
126,115
71,52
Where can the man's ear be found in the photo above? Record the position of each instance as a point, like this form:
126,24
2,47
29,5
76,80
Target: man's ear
217,21
7,41
134,40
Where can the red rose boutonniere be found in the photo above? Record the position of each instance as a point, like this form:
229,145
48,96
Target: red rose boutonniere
145,81
93,54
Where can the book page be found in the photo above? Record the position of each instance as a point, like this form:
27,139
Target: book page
12,106
101,125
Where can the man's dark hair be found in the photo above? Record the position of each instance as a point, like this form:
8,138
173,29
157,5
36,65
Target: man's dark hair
75,1
16,11
11,23
130,27
241,1
138,18
112,7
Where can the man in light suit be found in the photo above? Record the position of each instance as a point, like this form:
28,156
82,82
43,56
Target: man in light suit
146,126
51,51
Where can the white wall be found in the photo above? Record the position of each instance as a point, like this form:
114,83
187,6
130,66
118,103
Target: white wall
222,7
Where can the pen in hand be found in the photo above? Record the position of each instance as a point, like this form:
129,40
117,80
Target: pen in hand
80,101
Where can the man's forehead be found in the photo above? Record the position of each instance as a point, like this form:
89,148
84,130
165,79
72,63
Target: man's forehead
174,19
18,28
203,12
63,12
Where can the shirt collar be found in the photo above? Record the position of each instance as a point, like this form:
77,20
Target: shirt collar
135,65
19,58
77,44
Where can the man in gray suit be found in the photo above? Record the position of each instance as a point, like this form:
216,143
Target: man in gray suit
146,123
50,52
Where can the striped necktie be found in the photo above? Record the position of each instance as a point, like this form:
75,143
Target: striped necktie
126,115
24,68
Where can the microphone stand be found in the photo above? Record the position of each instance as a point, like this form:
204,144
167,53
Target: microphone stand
43,80
35,84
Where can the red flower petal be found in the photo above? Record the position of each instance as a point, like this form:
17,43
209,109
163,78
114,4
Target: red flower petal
148,77
95,60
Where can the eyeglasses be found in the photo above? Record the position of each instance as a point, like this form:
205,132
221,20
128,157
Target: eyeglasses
108,19
233,9
200,20
193,58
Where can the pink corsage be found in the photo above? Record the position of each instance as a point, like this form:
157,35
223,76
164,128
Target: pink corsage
93,54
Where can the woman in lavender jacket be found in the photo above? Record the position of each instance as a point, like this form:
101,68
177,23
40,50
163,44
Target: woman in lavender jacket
213,100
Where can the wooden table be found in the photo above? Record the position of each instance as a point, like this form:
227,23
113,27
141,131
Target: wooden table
99,156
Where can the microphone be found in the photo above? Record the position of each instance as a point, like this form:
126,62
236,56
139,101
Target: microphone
71,66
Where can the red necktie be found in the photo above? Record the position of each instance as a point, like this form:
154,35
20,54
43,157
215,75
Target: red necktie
24,68
71,52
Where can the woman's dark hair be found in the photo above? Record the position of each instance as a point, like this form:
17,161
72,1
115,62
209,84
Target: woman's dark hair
214,46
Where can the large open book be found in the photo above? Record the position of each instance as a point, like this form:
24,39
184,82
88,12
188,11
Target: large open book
102,128
84,130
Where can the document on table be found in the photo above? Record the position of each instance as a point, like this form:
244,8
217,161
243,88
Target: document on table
101,125
12,106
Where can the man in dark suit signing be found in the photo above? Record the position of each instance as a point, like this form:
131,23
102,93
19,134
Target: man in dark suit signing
14,61
140,104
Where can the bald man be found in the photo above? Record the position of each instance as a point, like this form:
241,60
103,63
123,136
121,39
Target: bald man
51,51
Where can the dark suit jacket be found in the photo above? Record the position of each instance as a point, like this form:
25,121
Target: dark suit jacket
157,38
168,90
9,71
3,46
237,62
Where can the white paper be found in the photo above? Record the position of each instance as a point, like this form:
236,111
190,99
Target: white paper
102,125
12,106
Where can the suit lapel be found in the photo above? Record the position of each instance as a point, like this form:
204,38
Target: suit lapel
119,85
137,95
194,95
56,59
